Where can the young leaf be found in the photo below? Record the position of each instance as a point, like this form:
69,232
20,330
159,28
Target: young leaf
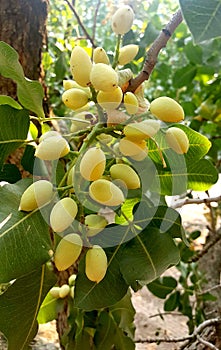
203,18
49,309
24,238
163,286
13,131
9,63
20,304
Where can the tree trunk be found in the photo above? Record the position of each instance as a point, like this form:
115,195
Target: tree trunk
23,26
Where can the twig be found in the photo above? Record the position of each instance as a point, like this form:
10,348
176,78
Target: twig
81,24
204,342
95,19
197,201
197,331
153,52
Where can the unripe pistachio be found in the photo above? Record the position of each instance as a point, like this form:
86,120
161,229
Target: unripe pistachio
131,148
104,138
48,134
70,84
54,291
95,264
64,291
70,178
36,195
127,54
131,103
72,279
63,214
140,156
68,251
141,130
100,56
52,148
125,173
167,109
122,20
72,288
81,66
105,192
177,140
79,122
74,98
103,77
92,164
110,99
95,223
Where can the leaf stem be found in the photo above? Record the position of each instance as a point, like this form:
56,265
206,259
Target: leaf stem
117,51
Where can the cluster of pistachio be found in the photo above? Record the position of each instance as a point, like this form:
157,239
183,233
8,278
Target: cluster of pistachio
99,82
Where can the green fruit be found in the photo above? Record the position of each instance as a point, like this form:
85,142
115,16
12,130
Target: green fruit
64,291
52,148
125,173
110,99
63,214
95,223
75,98
81,66
122,20
70,84
167,109
177,140
54,291
127,54
141,130
95,264
36,195
68,251
106,193
100,56
103,77
48,134
131,103
92,164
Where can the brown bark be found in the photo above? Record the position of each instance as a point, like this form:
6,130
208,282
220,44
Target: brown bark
23,26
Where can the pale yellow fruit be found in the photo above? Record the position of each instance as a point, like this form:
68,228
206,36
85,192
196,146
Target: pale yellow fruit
140,156
68,251
127,54
52,148
95,223
103,77
122,20
95,264
167,109
131,148
125,173
105,138
141,130
105,192
131,103
63,214
81,66
69,84
177,140
70,177
64,291
36,195
72,279
92,164
74,98
47,134
79,122
100,56
110,99
72,292
54,291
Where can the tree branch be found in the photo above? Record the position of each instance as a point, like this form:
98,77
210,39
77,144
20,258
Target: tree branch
197,201
152,54
197,331
81,24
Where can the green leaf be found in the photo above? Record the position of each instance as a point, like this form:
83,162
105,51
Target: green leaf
172,302
49,309
163,286
10,173
109,334
201,175
20,304
184,76
30,93
7,100
147,256
24,238
13,131
91,296
60,67
203,18
9,63
194,53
